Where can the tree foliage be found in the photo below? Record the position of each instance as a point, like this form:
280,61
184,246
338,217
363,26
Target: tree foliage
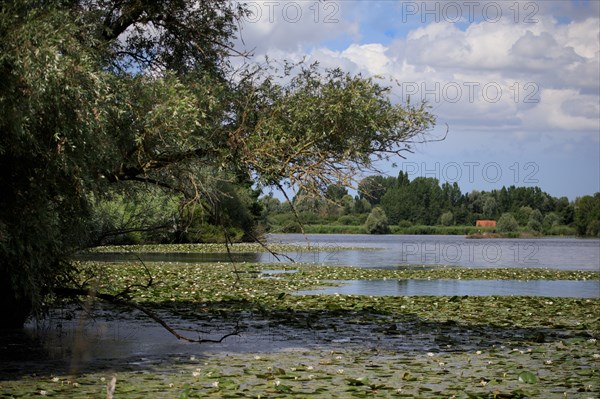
587,215
423,202
106,96
377,222
507,223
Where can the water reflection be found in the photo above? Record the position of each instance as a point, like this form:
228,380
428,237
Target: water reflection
401,250
442,287
564,253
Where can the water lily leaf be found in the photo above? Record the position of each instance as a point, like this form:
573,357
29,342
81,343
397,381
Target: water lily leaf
186,392
408,377
527,377
356,382
283,388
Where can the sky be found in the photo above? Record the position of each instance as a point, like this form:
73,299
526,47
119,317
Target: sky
515,83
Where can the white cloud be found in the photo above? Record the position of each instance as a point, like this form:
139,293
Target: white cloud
370,58
291,26
583,37
547,71
564,110
508,76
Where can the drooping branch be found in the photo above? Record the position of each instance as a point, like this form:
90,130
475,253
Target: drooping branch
124,172
119,300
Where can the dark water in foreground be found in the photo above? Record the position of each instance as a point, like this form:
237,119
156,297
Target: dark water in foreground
112,337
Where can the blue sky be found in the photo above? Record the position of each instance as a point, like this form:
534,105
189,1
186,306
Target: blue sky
518,83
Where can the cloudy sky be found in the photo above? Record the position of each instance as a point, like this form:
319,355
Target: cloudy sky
518,83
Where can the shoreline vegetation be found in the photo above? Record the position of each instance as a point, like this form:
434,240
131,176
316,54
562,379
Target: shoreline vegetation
401,205
469,231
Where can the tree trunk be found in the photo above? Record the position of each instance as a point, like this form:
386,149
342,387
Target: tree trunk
16,306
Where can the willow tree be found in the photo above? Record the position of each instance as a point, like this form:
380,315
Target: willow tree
97,94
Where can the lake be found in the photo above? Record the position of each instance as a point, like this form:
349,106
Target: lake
401,250
397,250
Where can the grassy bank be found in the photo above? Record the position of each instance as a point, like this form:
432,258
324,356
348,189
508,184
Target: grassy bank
420,229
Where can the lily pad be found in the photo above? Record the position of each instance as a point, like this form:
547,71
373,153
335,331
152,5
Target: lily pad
527,377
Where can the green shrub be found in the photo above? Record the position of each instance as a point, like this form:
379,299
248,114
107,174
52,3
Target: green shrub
507,223
349,220
447,219
404,223
208,233
291,227
334,229
561,230
377,222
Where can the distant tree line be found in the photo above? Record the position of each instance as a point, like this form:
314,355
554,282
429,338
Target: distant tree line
383,201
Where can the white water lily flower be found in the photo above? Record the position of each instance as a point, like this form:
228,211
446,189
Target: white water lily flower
195,374
277,383
43,393
215,384
430,354
596,355
55,379
340,371
548,362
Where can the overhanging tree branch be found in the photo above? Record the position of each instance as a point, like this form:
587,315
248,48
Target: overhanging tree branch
119,300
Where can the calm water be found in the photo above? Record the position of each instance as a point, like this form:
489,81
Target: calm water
549,288
127,336
399,250
554,253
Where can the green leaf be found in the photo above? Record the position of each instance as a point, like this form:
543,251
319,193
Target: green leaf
527,377
356,382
